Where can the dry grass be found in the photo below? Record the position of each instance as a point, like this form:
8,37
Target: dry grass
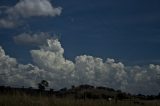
27,100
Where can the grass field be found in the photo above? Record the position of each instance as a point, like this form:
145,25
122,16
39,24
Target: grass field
27,100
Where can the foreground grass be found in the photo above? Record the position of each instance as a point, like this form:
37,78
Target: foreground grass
27,100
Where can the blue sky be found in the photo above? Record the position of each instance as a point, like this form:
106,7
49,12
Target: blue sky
126,30
124,35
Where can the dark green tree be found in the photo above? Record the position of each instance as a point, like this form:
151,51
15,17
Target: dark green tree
43,84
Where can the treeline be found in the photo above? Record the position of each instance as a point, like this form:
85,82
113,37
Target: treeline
78,92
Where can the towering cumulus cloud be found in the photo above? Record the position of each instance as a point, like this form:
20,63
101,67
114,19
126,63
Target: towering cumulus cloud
50,58
52,66
95,71
14,74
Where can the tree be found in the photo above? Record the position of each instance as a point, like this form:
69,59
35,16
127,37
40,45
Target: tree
43,84
158,96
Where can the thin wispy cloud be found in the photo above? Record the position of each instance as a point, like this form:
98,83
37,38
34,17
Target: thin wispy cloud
32,38
7,23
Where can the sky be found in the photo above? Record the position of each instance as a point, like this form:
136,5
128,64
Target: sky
114,38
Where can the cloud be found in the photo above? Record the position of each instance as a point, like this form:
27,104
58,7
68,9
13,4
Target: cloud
29,8
143,79
96,71
51,65
14,74
32,39
50,58
6,23
4,7
25,9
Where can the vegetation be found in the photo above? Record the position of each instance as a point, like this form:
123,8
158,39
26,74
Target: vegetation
43,84
83,95
27,100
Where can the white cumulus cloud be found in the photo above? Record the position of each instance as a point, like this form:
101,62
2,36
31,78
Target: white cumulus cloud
50,58
96,71
51,65
14,74
28,8
25,9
